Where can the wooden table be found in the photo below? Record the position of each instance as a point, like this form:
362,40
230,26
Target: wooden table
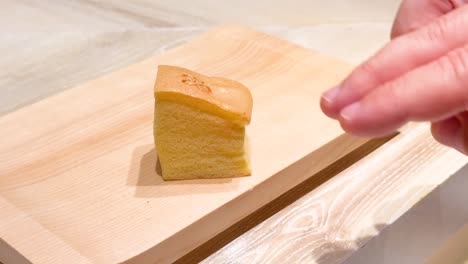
50,46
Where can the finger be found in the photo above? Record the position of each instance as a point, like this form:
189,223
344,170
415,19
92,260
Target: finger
431,92
400,56
448,132
452,132
458,3
463,118
414,14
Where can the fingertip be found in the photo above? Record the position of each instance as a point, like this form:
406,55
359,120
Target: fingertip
435,127
444,131
360,120
353,120
328,109
352,112
365,130
449,132
331,95
328,102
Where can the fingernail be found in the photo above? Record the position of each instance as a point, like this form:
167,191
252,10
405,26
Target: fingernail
352,111
331,94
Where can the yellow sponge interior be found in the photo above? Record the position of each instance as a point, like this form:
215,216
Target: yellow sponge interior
192,143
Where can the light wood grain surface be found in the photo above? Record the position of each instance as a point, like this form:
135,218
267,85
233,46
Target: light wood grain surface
50,46
420,232
95,143
343,214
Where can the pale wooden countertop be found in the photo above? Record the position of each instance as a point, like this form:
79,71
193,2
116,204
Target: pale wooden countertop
50,46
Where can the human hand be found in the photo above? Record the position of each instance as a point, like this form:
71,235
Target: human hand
421,75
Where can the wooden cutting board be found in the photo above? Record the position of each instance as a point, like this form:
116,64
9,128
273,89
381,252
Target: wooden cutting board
454,250
77,170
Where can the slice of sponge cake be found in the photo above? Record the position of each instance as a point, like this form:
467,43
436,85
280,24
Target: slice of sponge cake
199,125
